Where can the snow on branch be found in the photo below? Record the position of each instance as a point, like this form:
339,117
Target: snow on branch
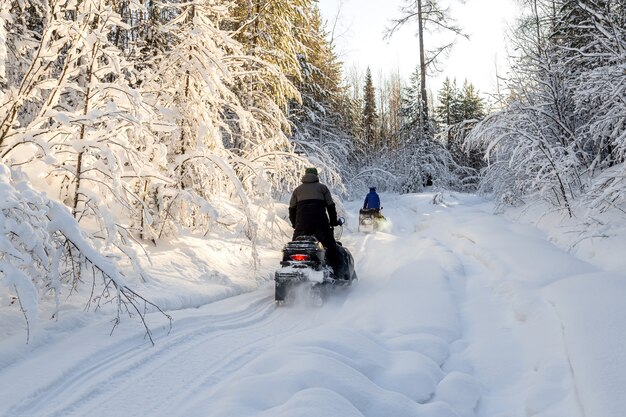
43,249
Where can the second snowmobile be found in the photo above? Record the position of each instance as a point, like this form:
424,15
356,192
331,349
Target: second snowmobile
371,220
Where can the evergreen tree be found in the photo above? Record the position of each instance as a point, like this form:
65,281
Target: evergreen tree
369,115
472,106
411,109
449,110
320,87
321,121
271,30
470,110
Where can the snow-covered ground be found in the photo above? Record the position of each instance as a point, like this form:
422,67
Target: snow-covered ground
458,312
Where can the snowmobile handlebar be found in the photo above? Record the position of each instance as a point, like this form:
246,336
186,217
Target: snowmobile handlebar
338,230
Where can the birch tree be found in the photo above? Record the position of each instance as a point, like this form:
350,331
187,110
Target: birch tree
70,117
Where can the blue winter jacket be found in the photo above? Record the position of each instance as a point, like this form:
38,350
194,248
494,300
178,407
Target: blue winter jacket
372,201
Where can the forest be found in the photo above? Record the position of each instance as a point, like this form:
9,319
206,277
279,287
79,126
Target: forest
126,122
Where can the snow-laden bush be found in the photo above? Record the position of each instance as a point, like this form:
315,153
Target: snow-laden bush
561,136
25,244
44,251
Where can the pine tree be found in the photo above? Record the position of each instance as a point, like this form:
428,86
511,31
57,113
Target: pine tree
369,115
449,110
320,121
412,116
471,105
271,30
320,87
471,110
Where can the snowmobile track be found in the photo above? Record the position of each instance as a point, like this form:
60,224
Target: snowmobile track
196,348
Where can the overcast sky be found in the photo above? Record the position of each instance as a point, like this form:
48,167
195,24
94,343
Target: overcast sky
359,39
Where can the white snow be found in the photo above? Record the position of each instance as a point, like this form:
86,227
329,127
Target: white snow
458,312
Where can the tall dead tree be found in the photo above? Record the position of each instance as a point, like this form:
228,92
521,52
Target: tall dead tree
431,17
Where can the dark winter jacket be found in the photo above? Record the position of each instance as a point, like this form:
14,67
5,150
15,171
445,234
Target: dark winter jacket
308,206
372,201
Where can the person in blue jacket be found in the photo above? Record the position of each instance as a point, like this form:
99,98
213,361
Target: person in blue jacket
372,200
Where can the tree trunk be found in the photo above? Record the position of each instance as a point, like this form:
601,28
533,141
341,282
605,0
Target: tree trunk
79,162
424,104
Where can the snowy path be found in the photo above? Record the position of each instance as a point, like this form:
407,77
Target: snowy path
458,313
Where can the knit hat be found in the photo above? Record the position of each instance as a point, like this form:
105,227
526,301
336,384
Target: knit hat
311,171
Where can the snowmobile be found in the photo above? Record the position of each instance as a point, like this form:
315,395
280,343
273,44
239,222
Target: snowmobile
371,220
304,271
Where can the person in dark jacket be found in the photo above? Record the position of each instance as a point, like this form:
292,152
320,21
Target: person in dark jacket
372,201
310,202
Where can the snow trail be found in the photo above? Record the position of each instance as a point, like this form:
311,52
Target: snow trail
457,313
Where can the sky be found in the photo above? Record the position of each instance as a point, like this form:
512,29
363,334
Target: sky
457,312
359,39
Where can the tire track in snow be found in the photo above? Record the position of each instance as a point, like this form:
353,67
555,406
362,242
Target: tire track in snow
113,368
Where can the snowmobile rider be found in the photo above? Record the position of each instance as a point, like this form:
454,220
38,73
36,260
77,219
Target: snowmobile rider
307,212
372,201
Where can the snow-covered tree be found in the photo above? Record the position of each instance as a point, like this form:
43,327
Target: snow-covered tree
225,149
412,110
369,116
596,59
71,120
472,105
530,130
4,53
320,126
561,136
457,113
74,117
448,110
43,250
269,30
